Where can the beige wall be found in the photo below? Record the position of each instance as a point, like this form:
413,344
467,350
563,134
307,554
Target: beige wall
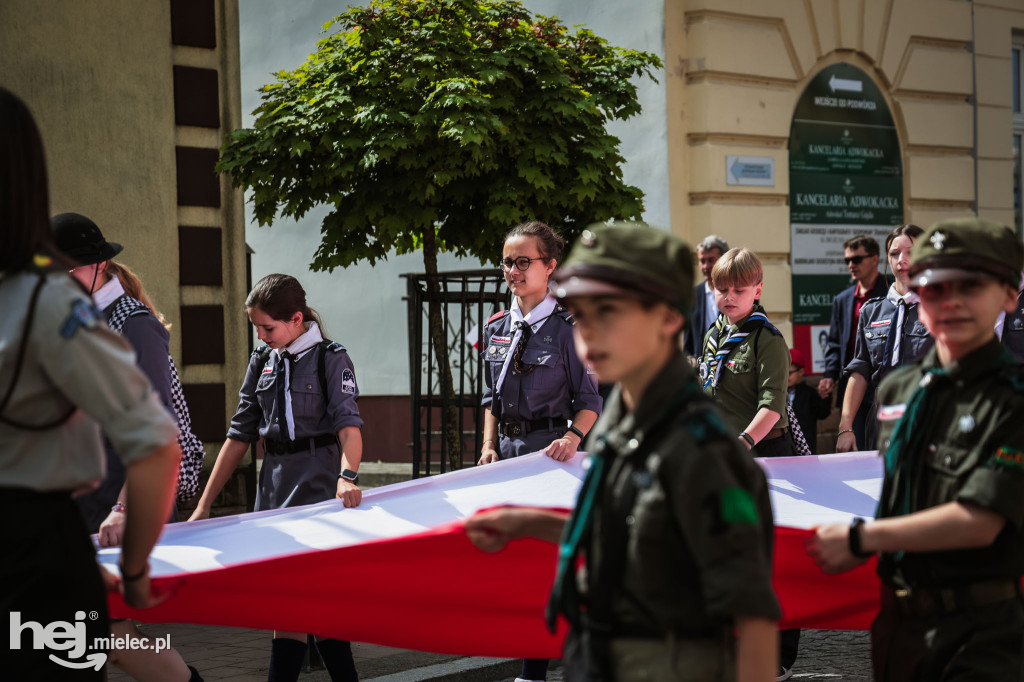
736,68
97,76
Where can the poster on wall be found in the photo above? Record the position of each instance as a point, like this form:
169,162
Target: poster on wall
845,179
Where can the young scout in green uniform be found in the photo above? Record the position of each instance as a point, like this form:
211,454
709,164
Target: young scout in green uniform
673,521
745,362
949,527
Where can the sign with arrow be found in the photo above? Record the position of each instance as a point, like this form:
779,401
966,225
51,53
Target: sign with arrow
845,179
750,170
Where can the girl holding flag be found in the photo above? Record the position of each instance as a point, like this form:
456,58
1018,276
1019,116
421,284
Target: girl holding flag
535,383
299,395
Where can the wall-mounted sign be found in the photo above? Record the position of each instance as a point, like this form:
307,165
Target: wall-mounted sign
845,178
750,170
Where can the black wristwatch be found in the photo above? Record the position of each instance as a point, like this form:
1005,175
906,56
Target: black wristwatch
855,548
349,476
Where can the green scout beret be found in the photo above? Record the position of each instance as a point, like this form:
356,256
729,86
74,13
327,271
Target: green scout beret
960,248
628,259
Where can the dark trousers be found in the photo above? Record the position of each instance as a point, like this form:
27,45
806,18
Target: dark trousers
780,446
981,644
48,574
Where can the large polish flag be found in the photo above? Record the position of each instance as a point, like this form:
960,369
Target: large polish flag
398,570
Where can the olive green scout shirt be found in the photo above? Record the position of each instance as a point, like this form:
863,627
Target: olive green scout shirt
71,359
973,452
755,375
697,537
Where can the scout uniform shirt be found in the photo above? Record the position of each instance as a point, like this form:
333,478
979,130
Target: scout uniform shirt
682,536
755,374
71,360
287,405
149,340
972,451
877,352
556,389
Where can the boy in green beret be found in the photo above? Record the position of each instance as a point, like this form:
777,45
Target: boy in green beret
673,522
949,523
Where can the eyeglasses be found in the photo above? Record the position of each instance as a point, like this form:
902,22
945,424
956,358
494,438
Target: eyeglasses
522,263
794,371
942,290
856,260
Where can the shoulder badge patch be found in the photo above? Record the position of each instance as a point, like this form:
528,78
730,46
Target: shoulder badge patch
888,413
336,347
737,506
497,316
83,314
1009,457
348,382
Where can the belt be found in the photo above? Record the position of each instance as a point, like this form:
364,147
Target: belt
513,429
775,433
290,447
925,602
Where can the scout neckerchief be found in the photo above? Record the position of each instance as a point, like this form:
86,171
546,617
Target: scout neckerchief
296,349
532,321
565,596
719,348
907,442
893,355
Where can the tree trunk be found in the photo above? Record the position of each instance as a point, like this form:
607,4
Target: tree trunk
451,437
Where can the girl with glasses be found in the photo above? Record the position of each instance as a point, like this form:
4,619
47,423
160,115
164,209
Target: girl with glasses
538,394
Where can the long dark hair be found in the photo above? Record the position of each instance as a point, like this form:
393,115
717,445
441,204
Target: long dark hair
24,195
281,296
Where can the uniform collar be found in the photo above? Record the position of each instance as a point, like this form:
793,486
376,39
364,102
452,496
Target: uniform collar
108,293
974,364
536,316
894,297
305,341
626,431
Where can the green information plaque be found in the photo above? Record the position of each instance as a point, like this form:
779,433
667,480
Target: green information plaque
845,178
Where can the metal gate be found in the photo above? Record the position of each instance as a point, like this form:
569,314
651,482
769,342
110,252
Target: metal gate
466,300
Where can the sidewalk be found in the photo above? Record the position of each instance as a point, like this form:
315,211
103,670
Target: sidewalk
223,654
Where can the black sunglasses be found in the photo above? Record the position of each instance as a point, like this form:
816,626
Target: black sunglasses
522,263
856,260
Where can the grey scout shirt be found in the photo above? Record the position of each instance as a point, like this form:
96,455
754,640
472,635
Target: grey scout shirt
260,413
560,386
973,452
71,359
699,551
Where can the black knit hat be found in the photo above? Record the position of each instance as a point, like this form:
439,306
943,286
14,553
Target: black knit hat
79,239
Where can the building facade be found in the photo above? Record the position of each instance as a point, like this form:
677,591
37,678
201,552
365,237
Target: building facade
133,102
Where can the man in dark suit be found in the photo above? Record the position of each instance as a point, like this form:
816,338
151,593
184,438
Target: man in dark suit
705,311
861,257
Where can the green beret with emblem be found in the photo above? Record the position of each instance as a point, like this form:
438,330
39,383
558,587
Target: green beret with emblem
961,248
628,259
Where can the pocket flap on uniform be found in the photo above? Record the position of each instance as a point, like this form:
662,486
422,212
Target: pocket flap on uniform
305,383
540,356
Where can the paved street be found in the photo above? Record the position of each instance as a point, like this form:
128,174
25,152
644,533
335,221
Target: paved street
833,655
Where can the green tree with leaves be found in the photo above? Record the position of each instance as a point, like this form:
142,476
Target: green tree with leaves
438,125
